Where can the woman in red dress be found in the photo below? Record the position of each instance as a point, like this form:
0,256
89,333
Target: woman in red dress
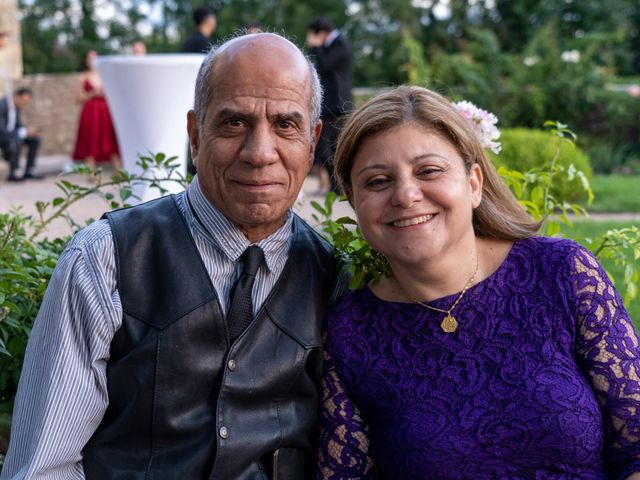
96,141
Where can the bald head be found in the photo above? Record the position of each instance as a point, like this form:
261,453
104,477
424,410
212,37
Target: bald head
272,55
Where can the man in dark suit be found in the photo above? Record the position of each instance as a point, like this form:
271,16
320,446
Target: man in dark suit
335,66
204,21
13,134
199,41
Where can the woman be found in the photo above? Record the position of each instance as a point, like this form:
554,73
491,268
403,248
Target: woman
96,141
487,352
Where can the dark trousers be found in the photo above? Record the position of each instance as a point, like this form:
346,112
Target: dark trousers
326,147
11,150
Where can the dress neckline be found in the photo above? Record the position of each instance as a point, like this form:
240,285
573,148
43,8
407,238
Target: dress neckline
447,299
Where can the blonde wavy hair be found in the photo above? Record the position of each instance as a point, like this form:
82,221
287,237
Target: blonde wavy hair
499,214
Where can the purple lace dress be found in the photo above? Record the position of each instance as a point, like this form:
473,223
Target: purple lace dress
540,381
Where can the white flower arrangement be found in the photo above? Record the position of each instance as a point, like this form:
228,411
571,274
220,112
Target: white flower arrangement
484,124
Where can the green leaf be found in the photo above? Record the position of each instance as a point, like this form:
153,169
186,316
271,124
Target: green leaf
125,193
346,221
318,207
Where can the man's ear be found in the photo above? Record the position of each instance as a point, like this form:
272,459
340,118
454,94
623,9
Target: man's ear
315,136
194,136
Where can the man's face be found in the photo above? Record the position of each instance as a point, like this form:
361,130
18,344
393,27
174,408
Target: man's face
209,25
257,142
21,101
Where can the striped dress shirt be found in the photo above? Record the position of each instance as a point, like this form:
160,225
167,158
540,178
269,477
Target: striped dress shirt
62,395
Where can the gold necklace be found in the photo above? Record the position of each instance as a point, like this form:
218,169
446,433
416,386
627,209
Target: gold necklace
449,324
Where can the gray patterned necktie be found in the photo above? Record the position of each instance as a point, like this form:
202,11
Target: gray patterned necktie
241,308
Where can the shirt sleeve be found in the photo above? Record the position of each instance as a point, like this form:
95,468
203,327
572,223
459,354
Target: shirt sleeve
62,393
608,352
343,447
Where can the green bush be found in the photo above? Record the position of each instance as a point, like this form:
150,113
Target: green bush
524,149
25,269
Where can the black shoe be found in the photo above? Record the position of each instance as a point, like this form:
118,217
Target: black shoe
13,178
32,176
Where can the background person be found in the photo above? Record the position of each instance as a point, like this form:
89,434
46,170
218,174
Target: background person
96,140
181,338
138,48
14,135
487,351
204,22
334,62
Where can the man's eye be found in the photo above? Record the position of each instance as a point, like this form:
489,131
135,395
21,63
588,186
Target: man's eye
285,124
233,122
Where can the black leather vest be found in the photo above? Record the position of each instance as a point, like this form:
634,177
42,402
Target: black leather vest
183,403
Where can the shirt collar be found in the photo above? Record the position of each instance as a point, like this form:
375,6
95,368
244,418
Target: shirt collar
228,238
331,37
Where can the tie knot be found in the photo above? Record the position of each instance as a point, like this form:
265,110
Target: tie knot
251,258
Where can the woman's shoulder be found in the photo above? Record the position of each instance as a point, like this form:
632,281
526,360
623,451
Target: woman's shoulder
556,260
549,249
351,298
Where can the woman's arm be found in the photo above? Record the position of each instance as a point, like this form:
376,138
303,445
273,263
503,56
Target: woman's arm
608,351
343,446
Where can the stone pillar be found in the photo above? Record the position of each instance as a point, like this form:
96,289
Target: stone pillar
11,51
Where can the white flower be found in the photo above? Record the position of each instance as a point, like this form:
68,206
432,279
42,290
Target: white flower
570,56
483,123
530,61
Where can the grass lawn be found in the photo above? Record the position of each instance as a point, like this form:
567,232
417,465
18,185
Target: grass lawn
615,193
628,80
591,229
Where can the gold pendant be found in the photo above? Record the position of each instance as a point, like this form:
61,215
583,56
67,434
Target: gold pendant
449,324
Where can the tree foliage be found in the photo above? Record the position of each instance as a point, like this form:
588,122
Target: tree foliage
57,32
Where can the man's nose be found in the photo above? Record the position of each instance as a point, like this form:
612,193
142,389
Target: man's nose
260,147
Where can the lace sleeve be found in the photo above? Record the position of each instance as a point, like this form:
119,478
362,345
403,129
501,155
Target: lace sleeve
343,447
607,349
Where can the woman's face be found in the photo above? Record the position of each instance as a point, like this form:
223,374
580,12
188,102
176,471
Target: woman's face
413,195
91,55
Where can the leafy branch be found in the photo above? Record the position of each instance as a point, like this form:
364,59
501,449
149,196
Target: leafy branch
622,247
359,260
157,170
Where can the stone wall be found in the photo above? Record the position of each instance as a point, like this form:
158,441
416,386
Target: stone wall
53,110
11,50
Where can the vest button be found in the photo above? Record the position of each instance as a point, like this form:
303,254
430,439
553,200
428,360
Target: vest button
224,432
231,364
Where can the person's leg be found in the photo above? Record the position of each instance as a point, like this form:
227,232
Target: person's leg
32,144
332,128
92,163
116,161
11,152
322,157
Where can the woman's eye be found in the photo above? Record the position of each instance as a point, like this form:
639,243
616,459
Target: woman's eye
429,171
377,182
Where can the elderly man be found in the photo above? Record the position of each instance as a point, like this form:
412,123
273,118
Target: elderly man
180,339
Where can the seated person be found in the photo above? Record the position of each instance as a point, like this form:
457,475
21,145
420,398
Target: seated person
13,134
